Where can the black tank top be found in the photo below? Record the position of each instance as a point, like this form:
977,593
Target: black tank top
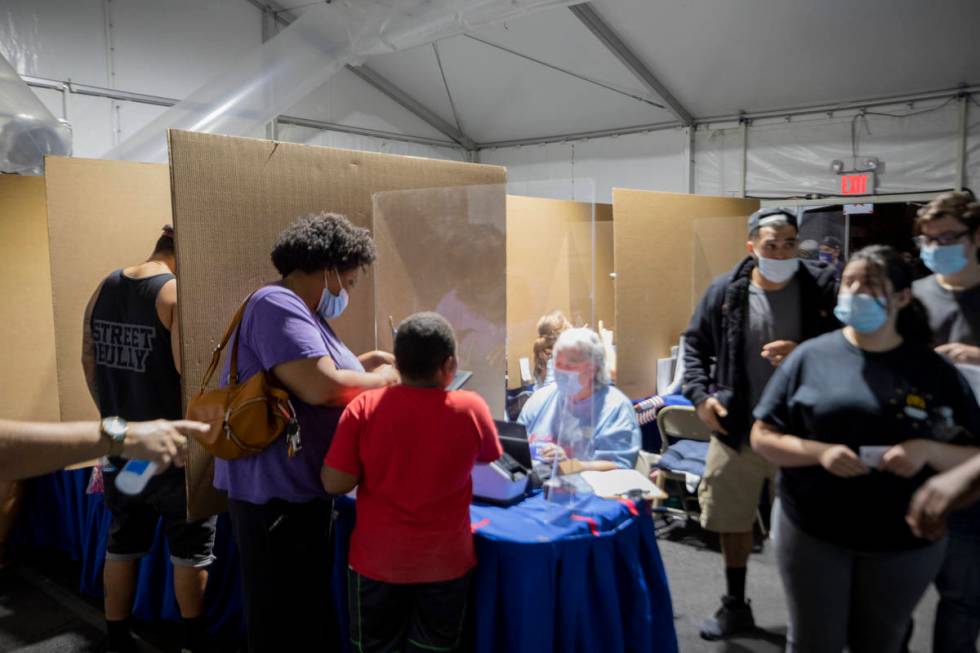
134,363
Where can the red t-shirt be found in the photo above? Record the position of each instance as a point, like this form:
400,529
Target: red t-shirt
413,450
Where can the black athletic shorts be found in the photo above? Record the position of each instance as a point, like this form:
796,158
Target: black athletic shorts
422,617
134,521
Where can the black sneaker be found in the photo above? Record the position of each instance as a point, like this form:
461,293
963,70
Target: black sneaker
733,617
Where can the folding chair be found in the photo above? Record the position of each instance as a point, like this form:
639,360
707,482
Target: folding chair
683,423
680,423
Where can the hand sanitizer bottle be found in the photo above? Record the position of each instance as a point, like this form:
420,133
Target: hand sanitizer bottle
135,475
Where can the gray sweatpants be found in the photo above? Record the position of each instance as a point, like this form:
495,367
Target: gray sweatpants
838,597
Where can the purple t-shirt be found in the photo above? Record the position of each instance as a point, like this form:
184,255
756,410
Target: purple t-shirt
277,328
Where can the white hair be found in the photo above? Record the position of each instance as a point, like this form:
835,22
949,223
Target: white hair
587,343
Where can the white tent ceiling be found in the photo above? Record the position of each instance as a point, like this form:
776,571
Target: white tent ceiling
716,57
719,57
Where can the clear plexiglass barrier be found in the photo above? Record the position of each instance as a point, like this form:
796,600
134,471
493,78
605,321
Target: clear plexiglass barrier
526,281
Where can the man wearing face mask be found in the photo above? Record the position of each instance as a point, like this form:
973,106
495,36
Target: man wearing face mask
747,323
830,253
948,238
279,510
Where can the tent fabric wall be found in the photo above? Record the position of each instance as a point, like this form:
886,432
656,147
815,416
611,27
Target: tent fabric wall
665,252
793,157
650,161
102,215
232,197
785,156
973,145
28,374
718,161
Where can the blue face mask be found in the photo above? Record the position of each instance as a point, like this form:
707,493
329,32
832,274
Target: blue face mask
568,382
944,259
863,312
826,257
331,305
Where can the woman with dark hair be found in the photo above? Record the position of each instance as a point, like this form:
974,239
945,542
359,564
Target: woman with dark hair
279,510
858,420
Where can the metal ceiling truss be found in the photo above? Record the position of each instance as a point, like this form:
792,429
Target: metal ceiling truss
284,17
587,14
747,117
379,82
68,87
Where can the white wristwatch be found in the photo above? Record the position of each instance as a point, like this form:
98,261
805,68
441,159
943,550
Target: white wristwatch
114,428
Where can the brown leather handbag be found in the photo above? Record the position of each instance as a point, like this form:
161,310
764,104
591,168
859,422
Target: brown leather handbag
245,418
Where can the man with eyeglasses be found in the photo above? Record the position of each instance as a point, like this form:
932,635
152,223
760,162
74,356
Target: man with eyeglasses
948,239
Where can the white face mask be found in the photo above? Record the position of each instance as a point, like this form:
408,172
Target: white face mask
778,270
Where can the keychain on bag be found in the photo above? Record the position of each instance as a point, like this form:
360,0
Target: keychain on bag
293,440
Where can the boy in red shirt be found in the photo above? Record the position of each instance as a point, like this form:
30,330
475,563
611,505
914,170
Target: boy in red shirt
410,450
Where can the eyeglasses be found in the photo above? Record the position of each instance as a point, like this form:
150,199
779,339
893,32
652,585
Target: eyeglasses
948,238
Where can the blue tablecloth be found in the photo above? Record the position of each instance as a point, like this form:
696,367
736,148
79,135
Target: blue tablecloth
58,514
583,577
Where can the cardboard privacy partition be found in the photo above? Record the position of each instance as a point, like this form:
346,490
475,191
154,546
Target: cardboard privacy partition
668,246
28,374
444,250
553,265
719,243
102,215
232,197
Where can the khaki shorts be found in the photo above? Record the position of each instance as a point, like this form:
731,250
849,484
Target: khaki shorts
732,486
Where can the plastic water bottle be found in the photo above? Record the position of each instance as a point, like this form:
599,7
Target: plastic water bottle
135,475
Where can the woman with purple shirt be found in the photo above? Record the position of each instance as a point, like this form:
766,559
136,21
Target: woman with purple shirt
279,511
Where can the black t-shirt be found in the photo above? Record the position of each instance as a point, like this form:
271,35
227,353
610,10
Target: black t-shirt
954,316
831,391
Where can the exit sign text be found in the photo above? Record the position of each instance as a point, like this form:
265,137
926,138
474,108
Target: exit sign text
857,183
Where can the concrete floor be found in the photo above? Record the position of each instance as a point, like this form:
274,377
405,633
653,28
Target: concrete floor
696,578
41,611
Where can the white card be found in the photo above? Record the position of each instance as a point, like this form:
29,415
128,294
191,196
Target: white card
871,456
525,370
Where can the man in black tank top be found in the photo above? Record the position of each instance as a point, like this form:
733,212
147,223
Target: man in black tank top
131,357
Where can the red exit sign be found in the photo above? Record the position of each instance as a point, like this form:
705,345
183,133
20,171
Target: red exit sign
857,183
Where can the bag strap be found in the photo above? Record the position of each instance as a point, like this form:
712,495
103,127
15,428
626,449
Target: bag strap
236,328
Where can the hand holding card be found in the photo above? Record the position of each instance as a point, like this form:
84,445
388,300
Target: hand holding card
871,456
